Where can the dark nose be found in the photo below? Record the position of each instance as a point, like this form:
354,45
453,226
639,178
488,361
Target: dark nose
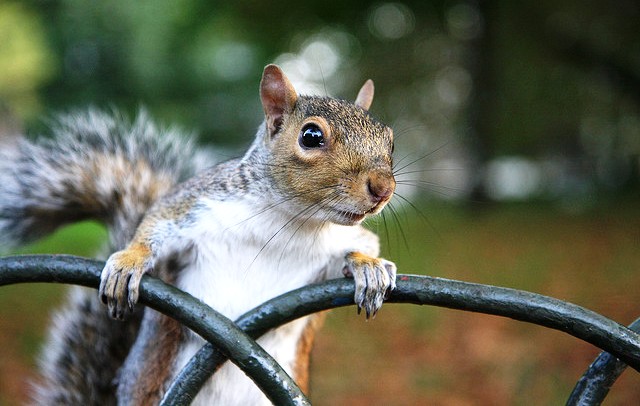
381,186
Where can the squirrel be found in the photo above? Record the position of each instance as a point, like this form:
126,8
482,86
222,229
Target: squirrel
286,214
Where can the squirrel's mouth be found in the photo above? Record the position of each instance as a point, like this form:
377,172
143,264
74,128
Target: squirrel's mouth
354,218
347,217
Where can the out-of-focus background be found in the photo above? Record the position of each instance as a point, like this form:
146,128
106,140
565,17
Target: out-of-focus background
517,146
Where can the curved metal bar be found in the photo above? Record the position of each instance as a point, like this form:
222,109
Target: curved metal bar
545,311
273,313
215,328
594,385
519,305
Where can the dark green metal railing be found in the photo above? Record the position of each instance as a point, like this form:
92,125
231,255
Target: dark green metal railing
234,341
211,325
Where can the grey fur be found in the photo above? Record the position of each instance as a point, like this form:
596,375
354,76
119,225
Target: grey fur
84,352
49,182
53,181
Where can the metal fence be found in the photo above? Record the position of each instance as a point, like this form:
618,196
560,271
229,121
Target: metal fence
235,341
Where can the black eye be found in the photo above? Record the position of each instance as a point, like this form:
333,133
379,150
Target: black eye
311,136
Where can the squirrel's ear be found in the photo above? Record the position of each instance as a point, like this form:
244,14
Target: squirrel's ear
278,97
365,95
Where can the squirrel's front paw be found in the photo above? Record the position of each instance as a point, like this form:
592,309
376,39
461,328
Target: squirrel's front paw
120,279
374,278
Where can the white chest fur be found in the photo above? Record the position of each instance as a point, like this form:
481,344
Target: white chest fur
245,255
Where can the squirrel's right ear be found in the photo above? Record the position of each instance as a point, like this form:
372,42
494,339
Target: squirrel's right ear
278,97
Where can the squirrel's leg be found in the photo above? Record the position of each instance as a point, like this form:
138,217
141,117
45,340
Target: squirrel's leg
374,277
120,279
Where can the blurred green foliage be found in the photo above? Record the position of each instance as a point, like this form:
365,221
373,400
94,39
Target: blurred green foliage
539,98
85,239
489,78
26,61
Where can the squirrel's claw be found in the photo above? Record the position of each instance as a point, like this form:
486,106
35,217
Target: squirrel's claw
120,282
374,279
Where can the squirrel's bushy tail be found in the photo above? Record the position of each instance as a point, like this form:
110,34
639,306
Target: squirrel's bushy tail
95,166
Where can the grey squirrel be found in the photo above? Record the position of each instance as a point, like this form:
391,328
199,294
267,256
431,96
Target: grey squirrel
285,215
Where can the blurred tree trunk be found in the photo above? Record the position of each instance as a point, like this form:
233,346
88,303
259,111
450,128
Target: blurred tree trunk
481,108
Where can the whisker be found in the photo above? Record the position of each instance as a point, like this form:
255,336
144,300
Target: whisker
428,170
407,130
293,220
422,157
282,201
386,227
429,186
395,163
420,214
264,246
385,216
302,223
394,213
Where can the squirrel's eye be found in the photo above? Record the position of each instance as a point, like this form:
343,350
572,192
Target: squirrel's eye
311,136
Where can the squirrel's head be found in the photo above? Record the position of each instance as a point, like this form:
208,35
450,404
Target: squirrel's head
330,158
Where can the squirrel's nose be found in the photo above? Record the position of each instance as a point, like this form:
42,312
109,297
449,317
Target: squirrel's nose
381,186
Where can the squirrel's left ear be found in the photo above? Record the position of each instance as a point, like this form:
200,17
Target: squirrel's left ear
365,95
278,97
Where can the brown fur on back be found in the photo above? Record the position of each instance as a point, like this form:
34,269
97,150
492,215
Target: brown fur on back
152,359
303,353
